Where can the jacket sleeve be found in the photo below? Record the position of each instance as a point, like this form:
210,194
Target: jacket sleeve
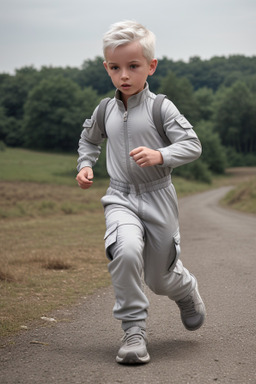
185,146
89,147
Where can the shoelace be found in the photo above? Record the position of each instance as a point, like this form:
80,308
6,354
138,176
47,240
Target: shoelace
188,307
133,339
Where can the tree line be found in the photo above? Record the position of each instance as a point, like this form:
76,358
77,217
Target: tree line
44,109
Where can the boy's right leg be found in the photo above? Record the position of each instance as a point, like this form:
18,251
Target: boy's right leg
126,267
124,246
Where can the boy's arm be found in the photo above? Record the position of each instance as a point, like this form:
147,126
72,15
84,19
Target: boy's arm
89,150
186,146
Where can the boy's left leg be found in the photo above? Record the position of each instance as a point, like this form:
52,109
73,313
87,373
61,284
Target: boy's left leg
180,286
163,270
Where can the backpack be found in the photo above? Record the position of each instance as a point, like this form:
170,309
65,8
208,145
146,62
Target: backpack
157,117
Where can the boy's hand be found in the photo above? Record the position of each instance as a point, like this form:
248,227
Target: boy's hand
84,178
146,157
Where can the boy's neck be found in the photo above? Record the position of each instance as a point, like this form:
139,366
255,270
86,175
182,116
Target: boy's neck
124,98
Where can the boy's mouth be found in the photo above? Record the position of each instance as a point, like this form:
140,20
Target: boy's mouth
125,86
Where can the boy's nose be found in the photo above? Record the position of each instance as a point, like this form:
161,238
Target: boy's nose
124,75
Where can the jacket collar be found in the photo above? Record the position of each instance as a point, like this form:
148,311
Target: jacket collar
134,100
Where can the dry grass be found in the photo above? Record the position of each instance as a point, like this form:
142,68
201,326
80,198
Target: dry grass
6,276
50,260
28,199
243,197
57,264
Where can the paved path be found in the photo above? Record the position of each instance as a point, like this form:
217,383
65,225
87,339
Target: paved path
219,247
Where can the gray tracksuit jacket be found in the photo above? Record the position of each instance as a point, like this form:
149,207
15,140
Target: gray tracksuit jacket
129,129
141,208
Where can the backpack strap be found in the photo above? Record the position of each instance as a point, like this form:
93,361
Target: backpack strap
157,117
100,117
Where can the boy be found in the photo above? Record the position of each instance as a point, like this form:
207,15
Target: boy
140,205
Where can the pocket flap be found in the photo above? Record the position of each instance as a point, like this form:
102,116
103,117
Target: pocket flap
110,230
176,238
110,235
110,238
183,122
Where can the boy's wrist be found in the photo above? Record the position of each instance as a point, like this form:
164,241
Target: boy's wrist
160,156
164,156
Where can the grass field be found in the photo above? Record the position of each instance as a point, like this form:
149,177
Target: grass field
52,249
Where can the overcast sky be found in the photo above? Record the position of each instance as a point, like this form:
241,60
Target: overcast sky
67,32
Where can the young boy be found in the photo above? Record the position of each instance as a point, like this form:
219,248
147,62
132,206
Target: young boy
140,205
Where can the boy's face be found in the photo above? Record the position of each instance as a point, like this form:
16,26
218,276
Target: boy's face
128,68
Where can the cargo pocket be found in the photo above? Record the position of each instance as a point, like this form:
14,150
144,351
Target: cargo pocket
110,239
176,241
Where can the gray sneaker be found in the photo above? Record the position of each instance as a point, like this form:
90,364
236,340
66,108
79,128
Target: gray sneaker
192,310
134,347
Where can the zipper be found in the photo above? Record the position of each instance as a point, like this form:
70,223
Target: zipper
127,151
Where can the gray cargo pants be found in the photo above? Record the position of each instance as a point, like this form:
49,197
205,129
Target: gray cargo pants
142,235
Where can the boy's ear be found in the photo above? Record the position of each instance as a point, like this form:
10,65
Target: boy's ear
152,67
105,66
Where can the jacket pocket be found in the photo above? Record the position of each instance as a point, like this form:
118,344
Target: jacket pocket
176,242
110,239
183,122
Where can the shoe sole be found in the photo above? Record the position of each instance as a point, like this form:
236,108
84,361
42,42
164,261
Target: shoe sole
133,358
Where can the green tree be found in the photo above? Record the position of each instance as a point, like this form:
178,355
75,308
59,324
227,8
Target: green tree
93,74
13,94
214,153
67,72
3,124
235,117
14,91
10,130
181,93
210,73
204,97
54,113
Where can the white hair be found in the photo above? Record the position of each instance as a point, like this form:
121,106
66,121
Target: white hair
126,32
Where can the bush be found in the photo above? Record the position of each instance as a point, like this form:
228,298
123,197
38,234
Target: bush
214,154
236,159
2,146
197,170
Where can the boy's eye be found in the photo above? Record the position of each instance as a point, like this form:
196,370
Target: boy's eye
114,67
133,66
